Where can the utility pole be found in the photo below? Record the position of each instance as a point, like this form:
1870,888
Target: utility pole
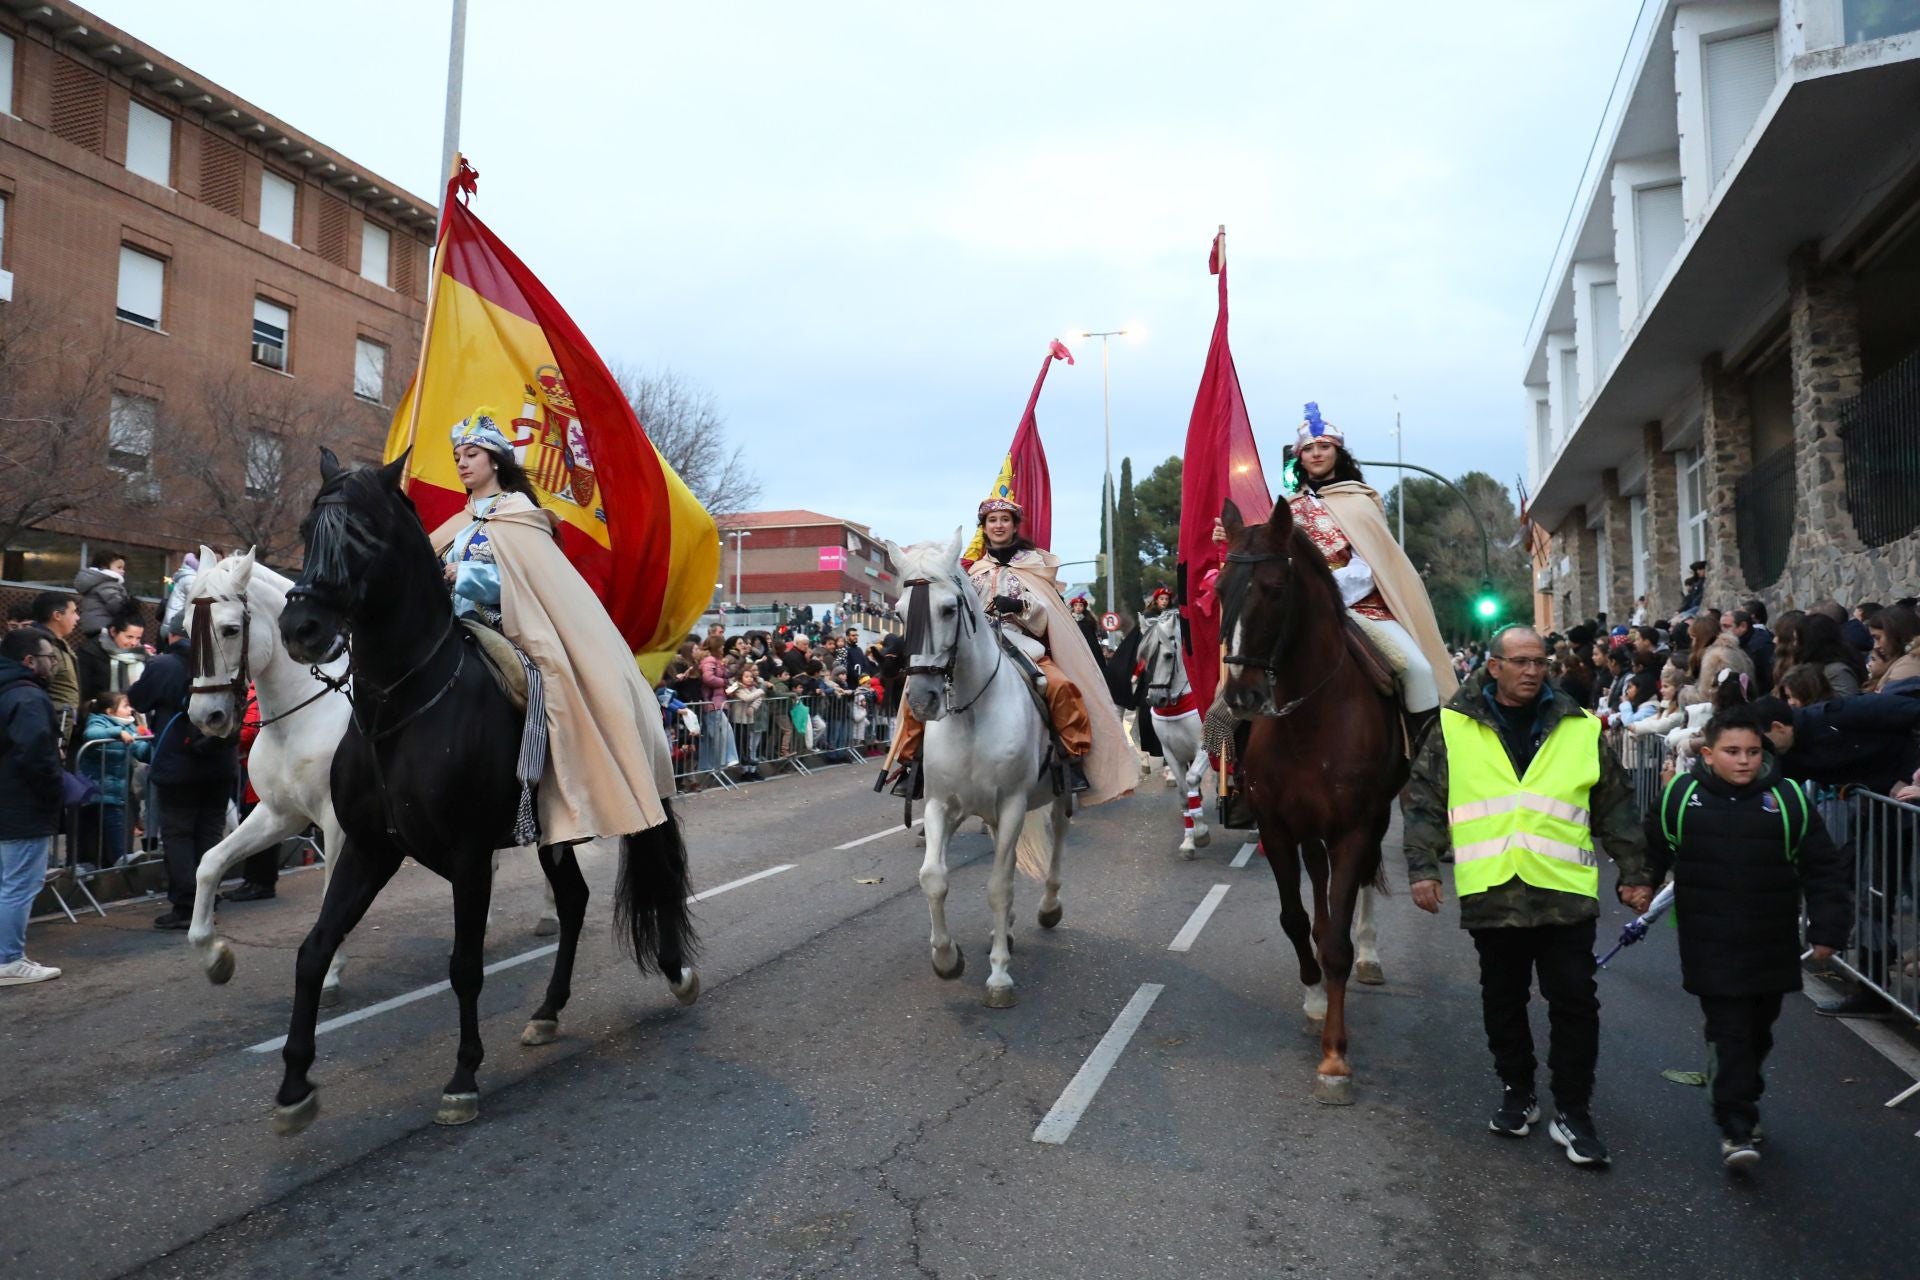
456,69
1106,411
1400,481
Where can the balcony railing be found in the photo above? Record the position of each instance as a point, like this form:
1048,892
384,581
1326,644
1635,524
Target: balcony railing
1880,431
1763,513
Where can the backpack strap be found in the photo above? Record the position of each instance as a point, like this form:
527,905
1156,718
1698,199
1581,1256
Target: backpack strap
1673,815
1792,832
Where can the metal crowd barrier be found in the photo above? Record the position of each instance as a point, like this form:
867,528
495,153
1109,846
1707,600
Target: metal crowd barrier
799,734
1643,756
99,837
1884,836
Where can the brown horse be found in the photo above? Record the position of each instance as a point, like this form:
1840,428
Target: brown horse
1323,759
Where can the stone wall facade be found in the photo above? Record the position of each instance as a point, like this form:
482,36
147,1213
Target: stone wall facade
1726,440
1616,526
1665,573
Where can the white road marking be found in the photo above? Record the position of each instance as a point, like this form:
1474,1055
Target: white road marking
1058,1125
1245,855
1883,1041
498,966
878,835
1190,932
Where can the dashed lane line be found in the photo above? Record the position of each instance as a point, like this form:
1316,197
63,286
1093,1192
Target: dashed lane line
1190,931
1058,1125
1245,855
499,966
878,835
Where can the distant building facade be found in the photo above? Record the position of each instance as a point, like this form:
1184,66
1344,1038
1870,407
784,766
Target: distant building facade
1724,365
232,286
801,557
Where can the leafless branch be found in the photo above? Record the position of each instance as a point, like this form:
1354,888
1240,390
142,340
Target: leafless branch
685,423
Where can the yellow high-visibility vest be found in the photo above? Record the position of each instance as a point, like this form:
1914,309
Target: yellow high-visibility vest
1536,827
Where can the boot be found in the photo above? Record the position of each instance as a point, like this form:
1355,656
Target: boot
1419,724
909,781
1077,771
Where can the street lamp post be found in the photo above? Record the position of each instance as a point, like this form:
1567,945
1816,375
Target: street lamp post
739,536
1106,412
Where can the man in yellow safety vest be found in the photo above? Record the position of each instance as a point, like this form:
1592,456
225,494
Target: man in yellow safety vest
1514,790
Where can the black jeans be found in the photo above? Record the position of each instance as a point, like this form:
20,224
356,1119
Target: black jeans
1562,956
1739,1034
193,818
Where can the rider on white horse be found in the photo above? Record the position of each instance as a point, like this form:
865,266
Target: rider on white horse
1017,583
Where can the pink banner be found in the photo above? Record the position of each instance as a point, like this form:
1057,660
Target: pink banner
833,559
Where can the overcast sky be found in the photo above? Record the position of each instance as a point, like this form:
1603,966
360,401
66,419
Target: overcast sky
859,223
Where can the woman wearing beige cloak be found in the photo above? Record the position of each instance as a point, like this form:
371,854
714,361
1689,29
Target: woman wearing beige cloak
607,757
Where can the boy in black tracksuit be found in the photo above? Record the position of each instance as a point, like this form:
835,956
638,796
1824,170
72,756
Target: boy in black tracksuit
1745,847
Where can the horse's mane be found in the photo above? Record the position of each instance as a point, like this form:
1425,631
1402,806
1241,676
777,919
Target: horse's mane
1305,556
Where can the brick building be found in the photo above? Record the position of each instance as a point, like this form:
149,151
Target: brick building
1725,363
802,558
225,291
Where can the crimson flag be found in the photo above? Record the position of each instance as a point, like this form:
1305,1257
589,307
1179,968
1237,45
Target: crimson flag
1221,462
1023,474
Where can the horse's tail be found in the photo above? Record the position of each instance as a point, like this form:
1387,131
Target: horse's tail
1035,845
650,917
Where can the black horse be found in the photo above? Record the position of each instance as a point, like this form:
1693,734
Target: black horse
427,770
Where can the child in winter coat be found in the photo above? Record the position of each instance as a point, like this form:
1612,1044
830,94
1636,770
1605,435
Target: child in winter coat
111,767
1745,847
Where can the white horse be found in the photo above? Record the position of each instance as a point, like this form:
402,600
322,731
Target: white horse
1176,721
984,755
291,762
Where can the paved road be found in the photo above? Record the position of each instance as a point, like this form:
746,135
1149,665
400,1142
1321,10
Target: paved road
830,1108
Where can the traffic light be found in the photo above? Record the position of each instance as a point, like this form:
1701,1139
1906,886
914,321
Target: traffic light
1100,565
1486,605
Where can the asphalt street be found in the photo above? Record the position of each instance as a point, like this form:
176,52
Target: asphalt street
830,1107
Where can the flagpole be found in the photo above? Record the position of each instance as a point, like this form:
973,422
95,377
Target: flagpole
433,296
456,74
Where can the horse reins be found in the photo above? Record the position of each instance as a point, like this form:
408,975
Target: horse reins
919,629
1272,663
205,660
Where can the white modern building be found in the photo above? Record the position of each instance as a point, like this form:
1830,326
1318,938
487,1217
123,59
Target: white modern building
1724,363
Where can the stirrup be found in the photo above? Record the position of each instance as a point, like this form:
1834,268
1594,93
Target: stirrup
1077,771
909,781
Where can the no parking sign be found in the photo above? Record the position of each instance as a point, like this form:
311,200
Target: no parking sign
1110,621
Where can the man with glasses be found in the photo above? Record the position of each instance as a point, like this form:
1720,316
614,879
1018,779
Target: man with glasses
30,793
1518,785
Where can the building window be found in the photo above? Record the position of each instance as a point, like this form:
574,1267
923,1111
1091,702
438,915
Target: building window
1568,390
130,434
1543,436
369,371
1693,505
1659,225
271,323
276,206
1739,73
6,73
264,455
149,144
1874,19
375,248
143,288
1606,328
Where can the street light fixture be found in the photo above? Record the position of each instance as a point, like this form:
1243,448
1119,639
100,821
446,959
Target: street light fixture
738,536
1106,412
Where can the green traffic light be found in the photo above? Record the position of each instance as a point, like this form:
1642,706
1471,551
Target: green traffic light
1487,607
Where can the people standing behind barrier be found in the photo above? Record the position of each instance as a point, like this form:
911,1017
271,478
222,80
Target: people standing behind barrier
1821,644
1896,647
102,587
103,825
110,662
1518,787
1670,715
1746,848
180,592
1750,630
30,793
746,706
56,615
1786,643
1710,652
192,775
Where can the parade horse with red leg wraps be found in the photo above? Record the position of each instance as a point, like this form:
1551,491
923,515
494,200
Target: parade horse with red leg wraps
1324,758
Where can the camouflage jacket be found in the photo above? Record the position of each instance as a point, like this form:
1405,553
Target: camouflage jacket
1617,826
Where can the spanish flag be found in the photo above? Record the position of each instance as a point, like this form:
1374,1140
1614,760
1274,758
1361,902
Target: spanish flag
496,337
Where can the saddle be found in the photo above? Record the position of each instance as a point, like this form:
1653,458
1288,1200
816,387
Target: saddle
1371,660
503,660
1036,682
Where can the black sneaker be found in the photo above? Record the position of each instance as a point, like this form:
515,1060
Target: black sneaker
1739,1154
174,919
1574,1131
251,893
1517,1115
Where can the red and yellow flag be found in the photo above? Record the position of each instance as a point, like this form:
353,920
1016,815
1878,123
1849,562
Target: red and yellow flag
495,337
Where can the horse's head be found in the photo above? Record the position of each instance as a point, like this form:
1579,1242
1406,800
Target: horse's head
359,514
1160,655
941,609
1274,576
228,639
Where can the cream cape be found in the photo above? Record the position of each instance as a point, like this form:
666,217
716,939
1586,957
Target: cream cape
1363,518
1112,767
607,758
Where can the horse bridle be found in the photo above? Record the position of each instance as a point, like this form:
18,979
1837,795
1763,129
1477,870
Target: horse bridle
1271,664
945,669
1166,684
205,658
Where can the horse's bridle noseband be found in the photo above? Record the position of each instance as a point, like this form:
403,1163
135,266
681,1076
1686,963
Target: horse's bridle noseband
1271,664
241,685
945,669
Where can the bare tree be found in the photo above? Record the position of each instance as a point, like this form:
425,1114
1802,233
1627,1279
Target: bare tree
685,423
253,440
56,381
